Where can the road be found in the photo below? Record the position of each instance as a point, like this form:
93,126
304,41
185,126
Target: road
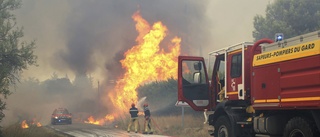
89,130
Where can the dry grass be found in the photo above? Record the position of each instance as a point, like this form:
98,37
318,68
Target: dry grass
165,125
16,131
172,126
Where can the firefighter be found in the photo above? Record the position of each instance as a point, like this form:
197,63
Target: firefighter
221,95
134,118
147,122
205,113
221,85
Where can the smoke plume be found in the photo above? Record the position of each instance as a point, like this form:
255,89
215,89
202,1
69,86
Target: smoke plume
80,38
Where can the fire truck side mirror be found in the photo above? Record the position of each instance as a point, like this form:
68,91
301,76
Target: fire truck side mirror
197,66
197,77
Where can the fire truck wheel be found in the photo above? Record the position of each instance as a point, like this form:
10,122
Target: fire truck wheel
298,127
222,127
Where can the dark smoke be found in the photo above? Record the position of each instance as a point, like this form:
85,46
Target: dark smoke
81,37
77,39
106,28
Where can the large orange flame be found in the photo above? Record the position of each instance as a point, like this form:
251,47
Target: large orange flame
145,62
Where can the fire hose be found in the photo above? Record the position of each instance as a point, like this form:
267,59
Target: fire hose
153,121
158,127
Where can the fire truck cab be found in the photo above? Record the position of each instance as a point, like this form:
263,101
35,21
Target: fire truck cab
265,87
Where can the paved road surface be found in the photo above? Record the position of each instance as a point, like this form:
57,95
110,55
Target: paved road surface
89,130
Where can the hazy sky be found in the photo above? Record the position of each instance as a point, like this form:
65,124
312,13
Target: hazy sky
78,37
89,37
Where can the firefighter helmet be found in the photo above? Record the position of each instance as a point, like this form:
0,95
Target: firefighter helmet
132,105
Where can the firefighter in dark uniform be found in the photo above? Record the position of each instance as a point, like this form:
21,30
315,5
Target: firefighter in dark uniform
134,118
147,122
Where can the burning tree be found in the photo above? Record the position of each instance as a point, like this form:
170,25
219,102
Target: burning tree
14,56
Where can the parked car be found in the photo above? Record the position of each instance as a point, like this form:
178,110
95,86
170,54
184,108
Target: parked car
61,115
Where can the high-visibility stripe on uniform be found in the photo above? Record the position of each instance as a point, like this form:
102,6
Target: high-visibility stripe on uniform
133,110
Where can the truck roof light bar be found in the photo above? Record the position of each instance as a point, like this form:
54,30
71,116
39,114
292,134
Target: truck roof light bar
230,48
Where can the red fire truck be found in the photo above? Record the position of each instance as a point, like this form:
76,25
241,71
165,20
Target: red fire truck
266,87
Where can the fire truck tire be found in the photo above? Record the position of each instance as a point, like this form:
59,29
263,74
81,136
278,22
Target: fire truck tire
222,127
298,127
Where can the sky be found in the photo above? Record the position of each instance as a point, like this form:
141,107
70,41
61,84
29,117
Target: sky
89,37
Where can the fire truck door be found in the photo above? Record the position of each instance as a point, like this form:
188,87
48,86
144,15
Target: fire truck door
234,77
193,84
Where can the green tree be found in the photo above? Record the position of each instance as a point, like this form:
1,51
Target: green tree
15,56
290,17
